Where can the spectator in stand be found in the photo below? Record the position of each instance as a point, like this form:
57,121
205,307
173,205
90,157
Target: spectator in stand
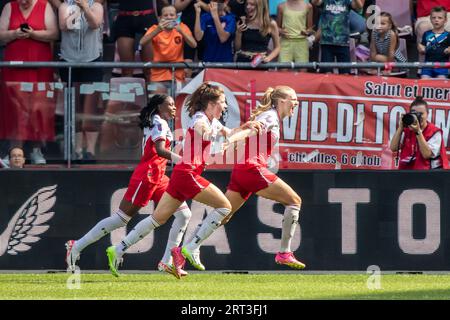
254,32
81,24
423,13
384,46
187,9
435,44
167,39
16,158
217,27
132,20
295,20
335,29
28,27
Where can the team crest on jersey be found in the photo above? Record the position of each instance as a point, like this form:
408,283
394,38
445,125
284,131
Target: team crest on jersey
177,40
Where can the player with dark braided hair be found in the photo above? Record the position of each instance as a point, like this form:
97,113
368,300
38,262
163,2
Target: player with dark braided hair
148,182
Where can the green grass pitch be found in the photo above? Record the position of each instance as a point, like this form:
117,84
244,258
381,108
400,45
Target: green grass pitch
217,286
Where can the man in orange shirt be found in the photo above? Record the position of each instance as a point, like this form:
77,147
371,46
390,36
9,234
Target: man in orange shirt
167,40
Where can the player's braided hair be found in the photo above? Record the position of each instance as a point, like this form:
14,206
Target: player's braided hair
202,96
147,113
270,99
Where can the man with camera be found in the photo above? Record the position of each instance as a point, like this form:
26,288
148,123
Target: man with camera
419,143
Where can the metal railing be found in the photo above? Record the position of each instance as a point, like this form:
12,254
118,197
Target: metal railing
229,65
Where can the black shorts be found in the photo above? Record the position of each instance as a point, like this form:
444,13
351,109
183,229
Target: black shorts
130,26
82,75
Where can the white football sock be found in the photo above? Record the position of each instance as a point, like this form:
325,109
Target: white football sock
209,224
102,228
142,229
290,221
179,225
186,241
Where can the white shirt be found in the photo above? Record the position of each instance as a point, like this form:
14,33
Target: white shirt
270,123
160,130
214,126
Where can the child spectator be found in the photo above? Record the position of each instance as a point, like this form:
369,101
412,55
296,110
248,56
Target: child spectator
423,12
335,29
167,40
218,28
384,46
295,19
254,33
435,44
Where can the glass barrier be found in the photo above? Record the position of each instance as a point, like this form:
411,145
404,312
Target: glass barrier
32,117
106,119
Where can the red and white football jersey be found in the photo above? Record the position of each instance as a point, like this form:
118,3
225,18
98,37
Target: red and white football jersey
258,148
196,148
152,165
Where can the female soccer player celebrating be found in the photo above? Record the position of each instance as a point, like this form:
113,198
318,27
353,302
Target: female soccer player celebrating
148,182
252,175
205,107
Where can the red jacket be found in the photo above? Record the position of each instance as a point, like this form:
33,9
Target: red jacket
410,156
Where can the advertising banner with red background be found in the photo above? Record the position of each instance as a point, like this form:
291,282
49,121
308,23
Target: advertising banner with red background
342,122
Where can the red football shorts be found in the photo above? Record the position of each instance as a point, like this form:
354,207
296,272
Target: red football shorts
140,192
185,184
248,180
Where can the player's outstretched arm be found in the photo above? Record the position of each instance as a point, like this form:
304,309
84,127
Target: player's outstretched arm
250,128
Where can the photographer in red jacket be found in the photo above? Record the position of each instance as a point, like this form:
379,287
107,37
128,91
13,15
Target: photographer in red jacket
419,142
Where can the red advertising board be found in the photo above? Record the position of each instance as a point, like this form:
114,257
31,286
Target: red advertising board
342,122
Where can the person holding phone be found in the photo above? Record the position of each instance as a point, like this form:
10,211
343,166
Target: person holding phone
254,32
28,27
167,38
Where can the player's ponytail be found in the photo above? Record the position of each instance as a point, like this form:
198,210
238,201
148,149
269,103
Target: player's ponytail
204,94
270,99
147,113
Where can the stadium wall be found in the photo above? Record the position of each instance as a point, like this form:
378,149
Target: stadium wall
350,220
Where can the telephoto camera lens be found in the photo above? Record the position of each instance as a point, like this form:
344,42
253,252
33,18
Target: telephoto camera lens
408,119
